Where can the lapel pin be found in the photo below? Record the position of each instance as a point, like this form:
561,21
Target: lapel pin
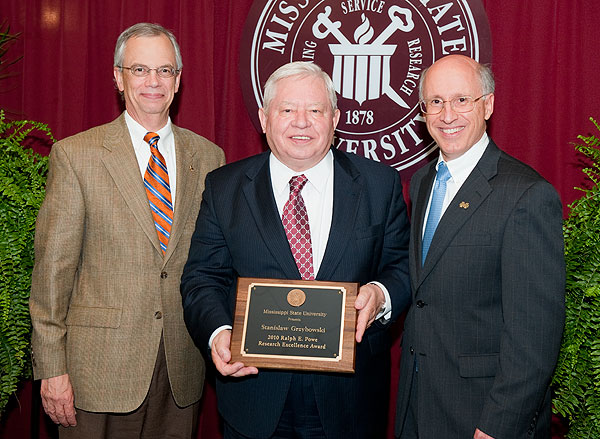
463,205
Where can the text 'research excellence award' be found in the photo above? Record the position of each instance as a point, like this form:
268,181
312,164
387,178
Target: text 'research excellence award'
296,325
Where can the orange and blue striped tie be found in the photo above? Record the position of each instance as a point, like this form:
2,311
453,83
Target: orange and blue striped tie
156,180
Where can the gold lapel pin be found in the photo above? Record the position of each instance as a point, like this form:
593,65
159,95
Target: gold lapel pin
464,205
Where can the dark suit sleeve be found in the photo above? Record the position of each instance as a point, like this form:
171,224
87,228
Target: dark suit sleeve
533,279
393,267
208,274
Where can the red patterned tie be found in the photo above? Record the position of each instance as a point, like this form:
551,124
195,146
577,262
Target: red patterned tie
156,180
297,229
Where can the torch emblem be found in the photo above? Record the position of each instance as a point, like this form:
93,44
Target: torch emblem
361,70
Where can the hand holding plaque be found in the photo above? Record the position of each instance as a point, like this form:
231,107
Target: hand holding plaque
300,325
221,356
370,301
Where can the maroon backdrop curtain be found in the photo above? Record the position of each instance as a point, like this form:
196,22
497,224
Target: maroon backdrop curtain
544,58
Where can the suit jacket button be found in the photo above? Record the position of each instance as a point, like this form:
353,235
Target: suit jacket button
163,275
420,304
158,315
412,350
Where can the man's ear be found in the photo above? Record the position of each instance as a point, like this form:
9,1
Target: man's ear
263,119
118,75
489,105
177,81
336,117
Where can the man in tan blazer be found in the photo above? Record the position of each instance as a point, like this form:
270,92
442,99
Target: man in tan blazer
108,331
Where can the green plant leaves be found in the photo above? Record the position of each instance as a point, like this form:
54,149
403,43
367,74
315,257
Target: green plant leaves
577,376
22,181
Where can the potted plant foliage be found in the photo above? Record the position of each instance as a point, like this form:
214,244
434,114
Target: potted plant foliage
577,376
22,181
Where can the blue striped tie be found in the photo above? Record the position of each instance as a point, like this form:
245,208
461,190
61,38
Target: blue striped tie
156,181
435,209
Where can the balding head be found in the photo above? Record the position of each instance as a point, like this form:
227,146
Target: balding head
459,78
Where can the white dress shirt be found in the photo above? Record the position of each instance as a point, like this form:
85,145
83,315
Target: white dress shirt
318,198
460,169
166,146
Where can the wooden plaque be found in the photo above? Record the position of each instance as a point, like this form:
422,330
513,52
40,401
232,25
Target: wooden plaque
296,325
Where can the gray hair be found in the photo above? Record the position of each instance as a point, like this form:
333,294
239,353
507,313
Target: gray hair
486,78
297,68
145,30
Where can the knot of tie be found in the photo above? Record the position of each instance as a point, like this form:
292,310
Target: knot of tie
297,182
152,139
443,174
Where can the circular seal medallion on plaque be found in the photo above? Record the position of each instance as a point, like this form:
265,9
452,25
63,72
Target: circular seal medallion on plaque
296,297
374,50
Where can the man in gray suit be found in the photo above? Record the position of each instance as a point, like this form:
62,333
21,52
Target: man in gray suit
487,272
112,237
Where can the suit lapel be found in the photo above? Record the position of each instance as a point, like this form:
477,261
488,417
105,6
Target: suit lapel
420,207
186,167
473,192
121,163
259,194
346,197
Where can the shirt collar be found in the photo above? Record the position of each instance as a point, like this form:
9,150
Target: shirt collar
138,131
461,167
317,175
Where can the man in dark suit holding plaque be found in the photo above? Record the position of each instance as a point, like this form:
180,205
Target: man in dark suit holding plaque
300,211
487,272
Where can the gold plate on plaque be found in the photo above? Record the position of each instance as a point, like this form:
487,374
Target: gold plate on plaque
295,324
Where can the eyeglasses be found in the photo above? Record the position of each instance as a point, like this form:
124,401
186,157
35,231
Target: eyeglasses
142,71
460,104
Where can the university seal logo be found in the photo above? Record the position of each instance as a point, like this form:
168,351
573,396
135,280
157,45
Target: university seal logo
374,50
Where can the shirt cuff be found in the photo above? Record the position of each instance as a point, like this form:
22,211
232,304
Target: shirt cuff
215,332
385,313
